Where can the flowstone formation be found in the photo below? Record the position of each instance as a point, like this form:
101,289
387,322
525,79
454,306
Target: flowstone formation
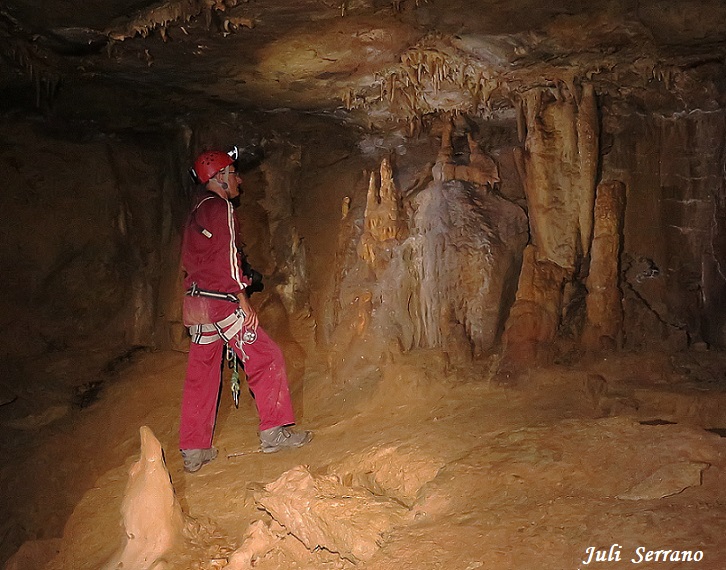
349,510
559,166
439,266
321,512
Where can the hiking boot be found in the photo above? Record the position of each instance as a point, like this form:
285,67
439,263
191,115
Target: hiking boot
276,438
195,458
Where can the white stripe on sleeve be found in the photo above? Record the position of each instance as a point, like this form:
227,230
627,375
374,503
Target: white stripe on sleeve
234,265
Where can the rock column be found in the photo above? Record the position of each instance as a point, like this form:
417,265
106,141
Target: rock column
604,326
559,165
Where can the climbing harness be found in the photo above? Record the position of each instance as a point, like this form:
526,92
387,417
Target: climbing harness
195,291
248,337
226,330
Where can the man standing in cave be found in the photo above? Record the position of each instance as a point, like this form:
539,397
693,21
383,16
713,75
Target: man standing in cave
218,313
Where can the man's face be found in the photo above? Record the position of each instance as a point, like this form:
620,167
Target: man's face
232,179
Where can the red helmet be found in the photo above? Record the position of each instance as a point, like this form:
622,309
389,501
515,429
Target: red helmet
209,163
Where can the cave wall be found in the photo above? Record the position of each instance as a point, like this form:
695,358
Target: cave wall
91,231
673,254
87,222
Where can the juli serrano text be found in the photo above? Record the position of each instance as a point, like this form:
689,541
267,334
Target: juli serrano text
640,555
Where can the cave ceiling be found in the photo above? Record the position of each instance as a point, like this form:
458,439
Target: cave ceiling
377,63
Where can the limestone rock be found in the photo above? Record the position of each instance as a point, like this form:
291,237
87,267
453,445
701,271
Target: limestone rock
258,540
323,513
604,328
7,396
152,516
669,480
34,554
390,471
43,418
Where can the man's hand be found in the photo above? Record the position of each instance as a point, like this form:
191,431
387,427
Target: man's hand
251,321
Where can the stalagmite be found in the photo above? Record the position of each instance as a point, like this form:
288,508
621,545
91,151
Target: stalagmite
604,327
384,218
345,207
152,516
535,315
366,246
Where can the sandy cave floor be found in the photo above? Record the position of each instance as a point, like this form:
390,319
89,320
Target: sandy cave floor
491,477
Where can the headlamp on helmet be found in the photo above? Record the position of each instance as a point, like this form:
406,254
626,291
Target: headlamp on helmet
210,162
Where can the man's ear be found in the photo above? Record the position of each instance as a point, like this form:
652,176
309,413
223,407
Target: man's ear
216,185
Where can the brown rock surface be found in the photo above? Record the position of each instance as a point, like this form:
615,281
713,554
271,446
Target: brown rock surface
153,521
323,513
604,327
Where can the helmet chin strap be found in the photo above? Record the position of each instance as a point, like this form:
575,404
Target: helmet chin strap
224,183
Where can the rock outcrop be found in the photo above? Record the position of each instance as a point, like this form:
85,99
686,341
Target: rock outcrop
153,520
323,513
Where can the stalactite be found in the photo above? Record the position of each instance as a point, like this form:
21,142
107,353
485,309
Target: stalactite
588,132
431,68
162,14
481,170
561,159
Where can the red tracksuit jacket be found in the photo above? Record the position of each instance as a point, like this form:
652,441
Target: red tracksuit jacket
211,259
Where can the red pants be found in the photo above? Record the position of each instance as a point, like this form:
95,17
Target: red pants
266,377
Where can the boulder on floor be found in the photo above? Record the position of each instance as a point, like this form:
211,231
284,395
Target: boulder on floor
323,513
